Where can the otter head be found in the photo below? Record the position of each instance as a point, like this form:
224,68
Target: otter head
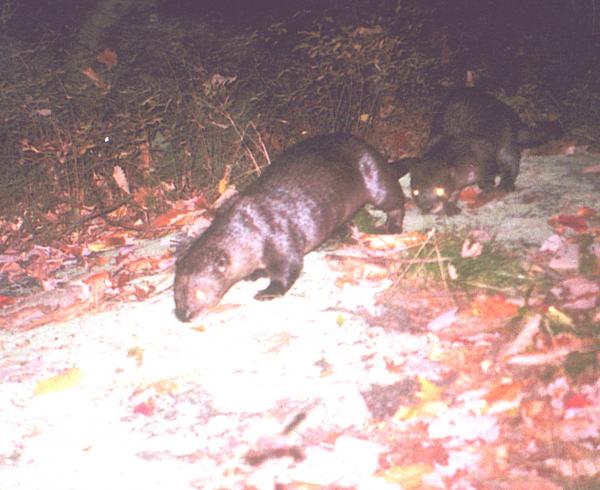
202,277
432,186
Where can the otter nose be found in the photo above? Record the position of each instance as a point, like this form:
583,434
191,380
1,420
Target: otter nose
183,314
425,206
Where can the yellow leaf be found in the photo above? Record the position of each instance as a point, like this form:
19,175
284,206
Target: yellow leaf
409,476
224,182
426,409
559,317
98,247
68,379
340,320
429,391
437,353
364,117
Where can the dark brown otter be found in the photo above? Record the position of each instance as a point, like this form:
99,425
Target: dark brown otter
474,139
300,199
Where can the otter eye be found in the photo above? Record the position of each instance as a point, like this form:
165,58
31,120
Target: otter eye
415,192
221,263
440,191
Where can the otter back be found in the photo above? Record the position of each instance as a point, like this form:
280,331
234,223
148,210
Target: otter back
298,201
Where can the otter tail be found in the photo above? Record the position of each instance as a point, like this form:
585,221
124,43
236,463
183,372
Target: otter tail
401,167
538,134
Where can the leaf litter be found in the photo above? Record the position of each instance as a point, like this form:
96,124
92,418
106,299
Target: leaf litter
366,375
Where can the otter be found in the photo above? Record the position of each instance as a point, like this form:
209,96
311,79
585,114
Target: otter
308,192
474,139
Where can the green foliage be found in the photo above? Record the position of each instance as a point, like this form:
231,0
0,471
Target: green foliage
338,72
494,269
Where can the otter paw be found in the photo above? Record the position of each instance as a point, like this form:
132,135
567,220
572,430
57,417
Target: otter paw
451,209
506,186
274,290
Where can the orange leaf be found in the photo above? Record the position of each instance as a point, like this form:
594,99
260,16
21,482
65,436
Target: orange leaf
108,58
506,392
172,217
141,265
585,212
145,156
494,307
94,77
469,194
136,353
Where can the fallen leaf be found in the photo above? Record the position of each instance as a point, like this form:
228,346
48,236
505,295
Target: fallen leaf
136,353
586,212
224,182
471,249
496,306
145,408
143,264
577,223
577,400
108,58
68,379
585,467
592,169
525,338
429,391
558,317
443,321
409,476
121,179
504,397
94,77
387,242
469,194
6,301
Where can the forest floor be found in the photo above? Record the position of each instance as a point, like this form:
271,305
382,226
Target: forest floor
359,378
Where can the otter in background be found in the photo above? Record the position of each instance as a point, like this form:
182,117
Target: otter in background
310,190
474,139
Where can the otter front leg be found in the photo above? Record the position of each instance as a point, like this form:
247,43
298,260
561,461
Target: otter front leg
283,269
509,159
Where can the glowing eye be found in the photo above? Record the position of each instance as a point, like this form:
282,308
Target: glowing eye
416,192
439,191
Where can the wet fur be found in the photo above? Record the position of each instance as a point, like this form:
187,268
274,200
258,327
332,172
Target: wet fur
300,199
474,139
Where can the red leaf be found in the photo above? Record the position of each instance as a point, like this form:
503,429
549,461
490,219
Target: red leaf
145,408
577,223
6,300
469,195
577,400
